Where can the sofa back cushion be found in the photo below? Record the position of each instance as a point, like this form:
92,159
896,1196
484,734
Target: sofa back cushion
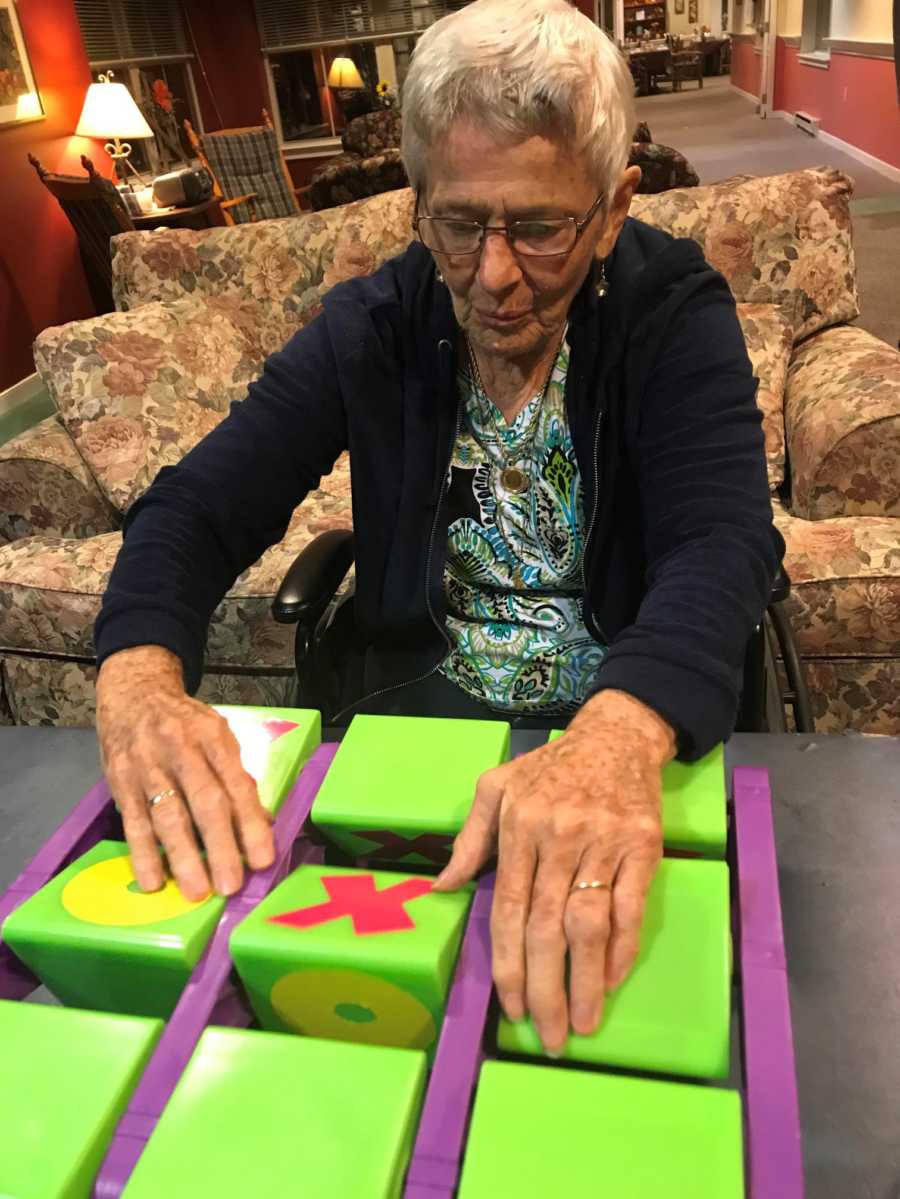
273,273
136,390
373,132
780,239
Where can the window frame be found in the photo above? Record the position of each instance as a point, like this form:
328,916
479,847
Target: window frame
815,37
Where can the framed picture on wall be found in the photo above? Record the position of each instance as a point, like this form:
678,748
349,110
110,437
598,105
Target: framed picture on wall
19,98
679,7
692,12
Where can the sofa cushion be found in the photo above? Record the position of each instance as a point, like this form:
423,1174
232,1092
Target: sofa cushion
273,264
137,390
769,334
845,584
373,233
51,588
842,416
781,239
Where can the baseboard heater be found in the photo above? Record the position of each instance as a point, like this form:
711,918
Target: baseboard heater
807,123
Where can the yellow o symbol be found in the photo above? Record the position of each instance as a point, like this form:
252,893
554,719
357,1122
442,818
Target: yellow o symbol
101,894
351,1005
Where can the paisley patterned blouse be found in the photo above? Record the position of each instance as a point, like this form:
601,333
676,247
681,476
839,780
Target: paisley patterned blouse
513,580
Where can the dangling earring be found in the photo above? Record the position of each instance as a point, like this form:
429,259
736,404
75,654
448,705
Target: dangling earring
602,285
438,275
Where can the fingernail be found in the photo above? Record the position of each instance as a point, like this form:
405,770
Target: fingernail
227,884
556,1054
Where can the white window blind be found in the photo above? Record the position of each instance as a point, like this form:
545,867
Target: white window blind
299,24
128,31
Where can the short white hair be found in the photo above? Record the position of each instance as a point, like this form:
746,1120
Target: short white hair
518,68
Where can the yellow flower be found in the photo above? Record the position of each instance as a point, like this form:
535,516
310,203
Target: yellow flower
383,87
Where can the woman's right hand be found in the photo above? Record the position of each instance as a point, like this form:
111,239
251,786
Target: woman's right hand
154,738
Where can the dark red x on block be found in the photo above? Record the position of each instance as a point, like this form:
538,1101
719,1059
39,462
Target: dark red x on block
355,895
435,847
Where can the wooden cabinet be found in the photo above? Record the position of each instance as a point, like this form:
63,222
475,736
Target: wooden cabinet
641,18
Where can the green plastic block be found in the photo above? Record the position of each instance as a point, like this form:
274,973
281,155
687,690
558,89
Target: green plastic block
672,1013
694,804
260,1114
275,743
402,778
537,1131
383,985
67,1078
97,941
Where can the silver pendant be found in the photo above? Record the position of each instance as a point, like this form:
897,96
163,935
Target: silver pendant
514,480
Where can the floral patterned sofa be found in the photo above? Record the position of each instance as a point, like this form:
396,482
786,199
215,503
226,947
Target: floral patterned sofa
200,310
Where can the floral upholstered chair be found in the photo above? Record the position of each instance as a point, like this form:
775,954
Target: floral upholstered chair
370,163
662,167
200,310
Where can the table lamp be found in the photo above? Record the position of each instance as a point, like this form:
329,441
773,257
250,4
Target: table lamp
344,76
345,80
110,111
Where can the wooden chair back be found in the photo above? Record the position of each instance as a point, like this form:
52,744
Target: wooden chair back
96,212
250,177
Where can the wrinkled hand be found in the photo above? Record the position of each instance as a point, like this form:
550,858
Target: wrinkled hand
154,737
585,807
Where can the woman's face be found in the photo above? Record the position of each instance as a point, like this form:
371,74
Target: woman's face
511,305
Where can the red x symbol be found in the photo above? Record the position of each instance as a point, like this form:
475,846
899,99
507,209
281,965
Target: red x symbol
435,847
355,895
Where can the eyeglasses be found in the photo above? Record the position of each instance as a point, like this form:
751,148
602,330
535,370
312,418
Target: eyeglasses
531,239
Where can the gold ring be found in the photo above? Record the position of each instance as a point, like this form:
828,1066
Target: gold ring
158,798
594,885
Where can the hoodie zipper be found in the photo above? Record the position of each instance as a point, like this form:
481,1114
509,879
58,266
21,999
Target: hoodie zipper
441,628
590,619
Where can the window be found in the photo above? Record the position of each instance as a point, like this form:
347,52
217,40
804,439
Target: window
300,41
143,42
816,28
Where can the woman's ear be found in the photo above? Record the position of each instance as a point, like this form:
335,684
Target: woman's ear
618,211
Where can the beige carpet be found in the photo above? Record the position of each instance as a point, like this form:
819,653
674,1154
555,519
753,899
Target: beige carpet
718,130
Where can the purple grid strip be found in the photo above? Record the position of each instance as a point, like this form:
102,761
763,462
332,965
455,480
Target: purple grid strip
434,1166
85,825
775,1161
208,991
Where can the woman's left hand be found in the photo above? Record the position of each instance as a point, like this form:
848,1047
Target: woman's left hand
585,807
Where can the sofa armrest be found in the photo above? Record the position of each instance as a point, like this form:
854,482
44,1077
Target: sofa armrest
46,488
842,424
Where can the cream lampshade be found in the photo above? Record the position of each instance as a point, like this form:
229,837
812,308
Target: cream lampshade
109,111
344,75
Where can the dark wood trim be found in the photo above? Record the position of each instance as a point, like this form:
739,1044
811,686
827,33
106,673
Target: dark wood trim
793,42
743,37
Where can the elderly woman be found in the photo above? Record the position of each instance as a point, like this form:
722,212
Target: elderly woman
559,500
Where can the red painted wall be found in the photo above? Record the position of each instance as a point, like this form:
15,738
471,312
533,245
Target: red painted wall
746,66
41,280
855,98
228,67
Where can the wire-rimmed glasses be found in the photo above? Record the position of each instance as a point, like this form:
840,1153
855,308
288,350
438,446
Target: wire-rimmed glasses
530,238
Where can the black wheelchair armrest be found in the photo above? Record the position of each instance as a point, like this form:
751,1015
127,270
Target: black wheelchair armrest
781,587
314,577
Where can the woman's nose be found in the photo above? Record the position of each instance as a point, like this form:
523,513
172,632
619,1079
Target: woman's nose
497,267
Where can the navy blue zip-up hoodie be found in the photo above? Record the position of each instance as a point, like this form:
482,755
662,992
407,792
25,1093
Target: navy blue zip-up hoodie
681,551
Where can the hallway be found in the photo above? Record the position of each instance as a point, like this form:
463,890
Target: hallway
718,131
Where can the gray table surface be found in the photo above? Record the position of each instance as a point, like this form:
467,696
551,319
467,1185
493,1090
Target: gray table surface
837,816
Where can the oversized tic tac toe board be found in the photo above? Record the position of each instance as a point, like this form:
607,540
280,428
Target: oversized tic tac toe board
330,1031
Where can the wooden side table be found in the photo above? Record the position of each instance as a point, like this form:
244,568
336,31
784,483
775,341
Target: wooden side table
194,216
